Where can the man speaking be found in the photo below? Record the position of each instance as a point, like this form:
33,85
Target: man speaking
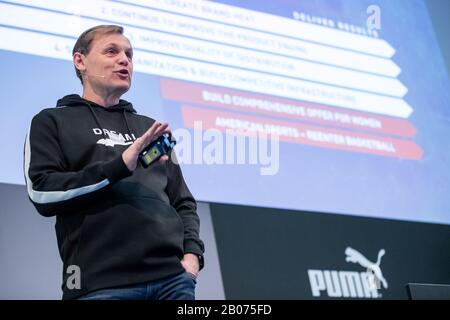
124,231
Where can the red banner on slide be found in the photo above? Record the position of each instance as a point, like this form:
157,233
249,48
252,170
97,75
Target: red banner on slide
194,117
235,100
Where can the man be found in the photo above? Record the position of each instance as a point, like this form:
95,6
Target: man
132,233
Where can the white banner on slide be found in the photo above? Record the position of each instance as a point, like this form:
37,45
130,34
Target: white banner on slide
271,23
72,26
111,12
184,69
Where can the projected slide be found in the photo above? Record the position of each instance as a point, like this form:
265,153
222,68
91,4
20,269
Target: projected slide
361,114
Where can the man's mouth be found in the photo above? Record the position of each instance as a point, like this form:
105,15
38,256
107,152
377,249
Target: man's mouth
123,73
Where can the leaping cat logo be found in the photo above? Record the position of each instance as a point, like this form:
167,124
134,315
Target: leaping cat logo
373,268
114,139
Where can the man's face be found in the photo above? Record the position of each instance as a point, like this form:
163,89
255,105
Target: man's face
109,64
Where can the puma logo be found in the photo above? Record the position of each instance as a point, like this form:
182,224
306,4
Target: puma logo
373,268
350,284
112,143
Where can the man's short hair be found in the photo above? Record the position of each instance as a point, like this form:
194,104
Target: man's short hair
84,42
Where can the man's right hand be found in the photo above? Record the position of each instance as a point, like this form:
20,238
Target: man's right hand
130,155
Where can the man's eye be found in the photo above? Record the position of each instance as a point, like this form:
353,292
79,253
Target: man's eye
111,50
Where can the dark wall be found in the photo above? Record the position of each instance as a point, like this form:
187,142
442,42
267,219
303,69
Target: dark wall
266,253
440,15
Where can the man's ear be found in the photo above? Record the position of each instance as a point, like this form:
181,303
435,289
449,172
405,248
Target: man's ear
78,61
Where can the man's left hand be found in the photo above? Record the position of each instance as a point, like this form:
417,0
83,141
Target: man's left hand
191,264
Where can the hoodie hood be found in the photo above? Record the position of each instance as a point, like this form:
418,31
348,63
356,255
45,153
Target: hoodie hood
74,100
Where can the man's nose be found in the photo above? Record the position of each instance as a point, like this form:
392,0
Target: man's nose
123,59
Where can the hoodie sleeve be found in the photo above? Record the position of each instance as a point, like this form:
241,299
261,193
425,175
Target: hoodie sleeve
185,205
51,187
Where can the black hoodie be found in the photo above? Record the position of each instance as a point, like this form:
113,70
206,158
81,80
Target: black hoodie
119,227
